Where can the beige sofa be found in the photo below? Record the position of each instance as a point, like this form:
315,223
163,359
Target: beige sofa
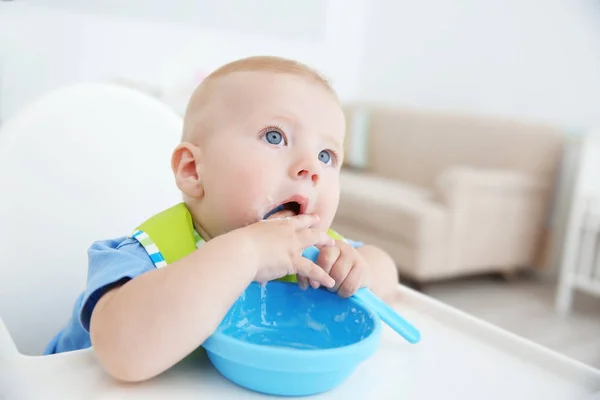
448,195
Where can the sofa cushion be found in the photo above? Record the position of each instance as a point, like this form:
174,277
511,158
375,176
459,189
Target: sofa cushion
401,210
380,187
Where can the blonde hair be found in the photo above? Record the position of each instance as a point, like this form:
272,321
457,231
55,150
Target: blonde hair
250,64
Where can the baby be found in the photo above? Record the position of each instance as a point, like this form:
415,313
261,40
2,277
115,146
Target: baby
259,166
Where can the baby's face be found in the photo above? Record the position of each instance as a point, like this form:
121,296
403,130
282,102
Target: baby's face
276,139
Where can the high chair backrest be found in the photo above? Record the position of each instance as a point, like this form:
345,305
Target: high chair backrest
83,163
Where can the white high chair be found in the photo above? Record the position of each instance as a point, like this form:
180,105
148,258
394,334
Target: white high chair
83,163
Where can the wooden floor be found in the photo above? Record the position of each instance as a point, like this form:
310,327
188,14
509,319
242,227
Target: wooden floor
525,306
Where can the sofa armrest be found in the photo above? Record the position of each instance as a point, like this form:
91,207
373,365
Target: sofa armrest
496,215
394,208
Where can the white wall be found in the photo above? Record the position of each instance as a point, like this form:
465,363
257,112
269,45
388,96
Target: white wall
521,58
526,58
291,19
45,44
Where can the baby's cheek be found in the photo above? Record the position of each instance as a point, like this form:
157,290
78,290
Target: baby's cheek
326,216
251,197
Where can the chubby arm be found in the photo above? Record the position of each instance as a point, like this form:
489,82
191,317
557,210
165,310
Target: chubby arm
148,324
384,275
145,326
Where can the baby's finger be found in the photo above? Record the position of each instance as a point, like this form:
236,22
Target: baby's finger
314,284
314,237
302,282
304,220
307,268
341,269
351,284
327,257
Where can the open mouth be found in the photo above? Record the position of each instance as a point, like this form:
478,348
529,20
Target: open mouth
290,208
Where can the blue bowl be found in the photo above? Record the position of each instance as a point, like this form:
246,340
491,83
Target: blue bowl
278,339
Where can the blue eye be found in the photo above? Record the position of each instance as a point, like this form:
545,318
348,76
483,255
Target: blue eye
274,137
324,156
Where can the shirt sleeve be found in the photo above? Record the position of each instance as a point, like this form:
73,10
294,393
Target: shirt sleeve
110,263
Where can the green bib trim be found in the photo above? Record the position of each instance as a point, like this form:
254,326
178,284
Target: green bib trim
169,235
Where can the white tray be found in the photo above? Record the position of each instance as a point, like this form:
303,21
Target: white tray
459,357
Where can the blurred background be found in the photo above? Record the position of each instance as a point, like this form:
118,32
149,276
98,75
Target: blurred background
472,153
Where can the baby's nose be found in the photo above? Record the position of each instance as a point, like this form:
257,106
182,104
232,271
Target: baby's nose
307,168
305,174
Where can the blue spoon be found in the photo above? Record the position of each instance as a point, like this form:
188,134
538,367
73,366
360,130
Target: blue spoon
385,312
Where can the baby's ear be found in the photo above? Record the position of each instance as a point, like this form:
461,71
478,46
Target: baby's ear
186,163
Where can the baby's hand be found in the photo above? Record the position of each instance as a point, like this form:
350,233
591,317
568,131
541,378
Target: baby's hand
344,264
278,246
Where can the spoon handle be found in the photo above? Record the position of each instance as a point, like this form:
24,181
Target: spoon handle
389,316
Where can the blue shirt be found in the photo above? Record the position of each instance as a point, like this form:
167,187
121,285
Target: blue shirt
111,263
